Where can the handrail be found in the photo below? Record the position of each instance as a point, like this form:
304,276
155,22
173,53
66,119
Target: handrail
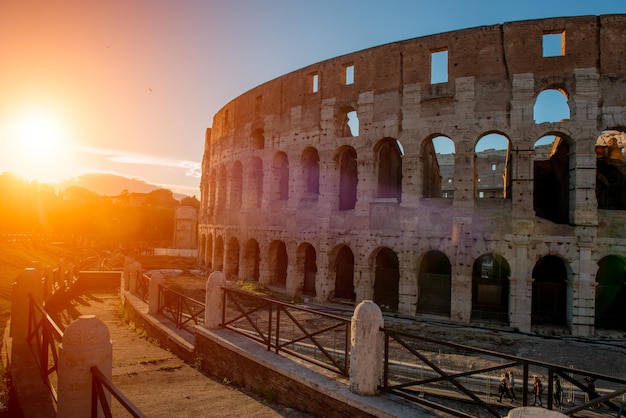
432,383
263,322
143,286
181,308
99,382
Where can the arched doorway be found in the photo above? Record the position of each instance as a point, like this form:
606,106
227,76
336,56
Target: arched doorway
549,292
278,263
611,293
251,260
490,289
387,281
344,274
310,270
434,284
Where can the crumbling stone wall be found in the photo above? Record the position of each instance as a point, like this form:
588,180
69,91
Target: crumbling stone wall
296,197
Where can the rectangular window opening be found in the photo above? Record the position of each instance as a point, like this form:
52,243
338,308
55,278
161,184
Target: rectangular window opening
314,82
553,44
493,167
349,74
439,67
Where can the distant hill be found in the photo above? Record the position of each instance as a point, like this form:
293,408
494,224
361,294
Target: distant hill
108,184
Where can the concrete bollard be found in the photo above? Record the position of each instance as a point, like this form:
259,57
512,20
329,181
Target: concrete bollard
366,349
214,300
28,282
156,280
86,343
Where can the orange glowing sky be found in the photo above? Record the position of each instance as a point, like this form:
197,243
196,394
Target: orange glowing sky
129,86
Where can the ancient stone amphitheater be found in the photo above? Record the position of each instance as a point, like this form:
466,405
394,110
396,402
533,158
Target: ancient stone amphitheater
420,174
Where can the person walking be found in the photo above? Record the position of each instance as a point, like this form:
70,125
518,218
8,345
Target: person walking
512,387
557,390
537,390
503,389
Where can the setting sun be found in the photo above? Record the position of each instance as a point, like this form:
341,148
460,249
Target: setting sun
35,145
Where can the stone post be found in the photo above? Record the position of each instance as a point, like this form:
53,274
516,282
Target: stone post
28,282
135,271
86,343
366,349
214,300
156,280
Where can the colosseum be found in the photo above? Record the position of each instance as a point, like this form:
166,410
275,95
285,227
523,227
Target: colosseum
421,175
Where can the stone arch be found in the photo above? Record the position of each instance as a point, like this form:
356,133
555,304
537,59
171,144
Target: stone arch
278,262
610,302
221,187
310,161
387,279
280,174
611,170
236,186
389,158
219,254
490,289
551,185
202,249
212,190
492,168
437,153
552,103
434,284
348,177
307,266
257,139
549,292
344,273
347,122
232,259
255,183
251,260
208,260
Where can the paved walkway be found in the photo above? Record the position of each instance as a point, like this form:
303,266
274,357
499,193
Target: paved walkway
155,380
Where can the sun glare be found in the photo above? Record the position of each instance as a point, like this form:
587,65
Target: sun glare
36,147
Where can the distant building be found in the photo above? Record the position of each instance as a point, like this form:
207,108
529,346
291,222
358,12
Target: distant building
185,227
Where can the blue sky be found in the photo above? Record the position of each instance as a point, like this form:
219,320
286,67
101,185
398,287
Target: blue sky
131,86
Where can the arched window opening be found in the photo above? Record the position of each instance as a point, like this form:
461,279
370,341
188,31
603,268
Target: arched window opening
232,259
389,170
348,179
490,289
278,263
212,191
611,293
257,139
434,284
353,123
492,171
551,106
255,183
308,258
344,274
551,180
222,188
281,176
208,261
219,254
347,123
549,292
611,170
251,260
236,185
387,280
311,172
438,175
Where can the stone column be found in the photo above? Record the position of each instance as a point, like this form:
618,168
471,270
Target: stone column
28,282
86,343
214,300
135,271
156,280
366,349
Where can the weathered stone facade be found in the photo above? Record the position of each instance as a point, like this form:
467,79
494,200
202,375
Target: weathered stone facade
299,199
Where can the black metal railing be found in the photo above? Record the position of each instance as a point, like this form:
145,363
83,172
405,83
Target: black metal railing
143,286
316,337
435,373
99,400
181,309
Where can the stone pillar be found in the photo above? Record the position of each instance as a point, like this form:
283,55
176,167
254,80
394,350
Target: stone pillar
135,271
156,280
366,349
128,262
28,282
86,343
214,300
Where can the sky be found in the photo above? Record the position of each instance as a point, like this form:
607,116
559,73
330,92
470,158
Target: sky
129,87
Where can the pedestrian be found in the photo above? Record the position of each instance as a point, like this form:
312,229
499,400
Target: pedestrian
591,386
503,388
557,390
537,390
512,387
